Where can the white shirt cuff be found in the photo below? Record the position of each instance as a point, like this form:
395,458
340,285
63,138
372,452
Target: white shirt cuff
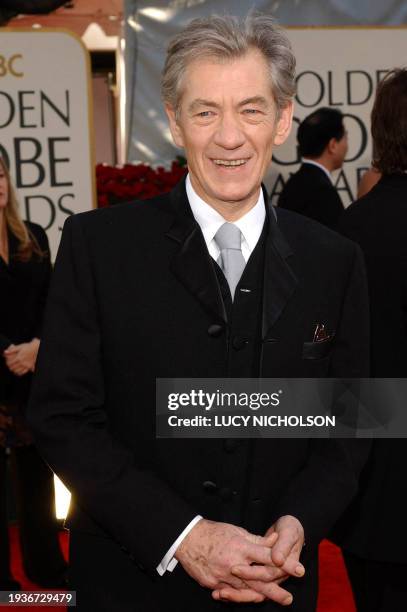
169,562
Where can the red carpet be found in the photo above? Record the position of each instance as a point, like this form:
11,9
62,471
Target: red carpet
335,594
18,572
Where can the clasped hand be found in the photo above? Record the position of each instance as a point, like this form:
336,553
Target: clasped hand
241,567
21,358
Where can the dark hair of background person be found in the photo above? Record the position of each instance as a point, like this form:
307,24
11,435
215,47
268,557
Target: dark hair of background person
389,123
316,130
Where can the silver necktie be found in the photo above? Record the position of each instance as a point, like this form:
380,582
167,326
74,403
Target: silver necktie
229,238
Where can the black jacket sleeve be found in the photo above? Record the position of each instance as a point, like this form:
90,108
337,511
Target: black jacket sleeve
70,424
42,280
4,343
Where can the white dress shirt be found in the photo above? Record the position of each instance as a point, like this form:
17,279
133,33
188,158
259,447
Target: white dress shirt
209,220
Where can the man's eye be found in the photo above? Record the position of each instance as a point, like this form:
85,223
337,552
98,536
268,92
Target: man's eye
251,111
205,114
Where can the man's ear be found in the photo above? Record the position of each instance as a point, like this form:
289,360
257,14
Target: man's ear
284,124
332,145
175,128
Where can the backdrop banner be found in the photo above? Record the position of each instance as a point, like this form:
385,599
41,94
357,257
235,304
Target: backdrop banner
46,131
340,68
336,66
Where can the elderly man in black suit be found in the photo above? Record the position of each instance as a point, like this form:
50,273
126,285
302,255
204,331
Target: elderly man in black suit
202,282
378,222
322,144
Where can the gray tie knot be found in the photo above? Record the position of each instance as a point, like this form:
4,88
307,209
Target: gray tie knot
228,236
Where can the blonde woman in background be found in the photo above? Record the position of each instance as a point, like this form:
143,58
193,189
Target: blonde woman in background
25,270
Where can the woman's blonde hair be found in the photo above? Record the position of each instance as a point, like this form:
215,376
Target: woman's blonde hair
27,243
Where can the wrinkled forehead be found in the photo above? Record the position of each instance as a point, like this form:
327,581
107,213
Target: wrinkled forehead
212,76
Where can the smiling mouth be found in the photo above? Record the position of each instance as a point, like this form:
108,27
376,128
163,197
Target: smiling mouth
230,163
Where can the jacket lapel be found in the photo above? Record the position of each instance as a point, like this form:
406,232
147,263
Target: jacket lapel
279,279
193,267
192,263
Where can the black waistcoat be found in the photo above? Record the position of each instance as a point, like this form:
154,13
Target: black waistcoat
244,350
245,314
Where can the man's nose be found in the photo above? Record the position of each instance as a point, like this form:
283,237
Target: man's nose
229,133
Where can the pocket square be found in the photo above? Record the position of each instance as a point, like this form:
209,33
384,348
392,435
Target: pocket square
321,343
320,333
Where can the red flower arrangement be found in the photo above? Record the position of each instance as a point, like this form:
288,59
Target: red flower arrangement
135,181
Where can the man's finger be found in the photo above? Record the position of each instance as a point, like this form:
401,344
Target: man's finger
264,573
11,350
237,595
256,553
286,541
16,366
272,591
13,366
19,371
257,594
270,539
12,362
233,581
293,567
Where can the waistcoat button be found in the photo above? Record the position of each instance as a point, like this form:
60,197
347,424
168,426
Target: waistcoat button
215,330
209,486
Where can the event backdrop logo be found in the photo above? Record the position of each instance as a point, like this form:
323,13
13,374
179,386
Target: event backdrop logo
336,67
339,68
45,125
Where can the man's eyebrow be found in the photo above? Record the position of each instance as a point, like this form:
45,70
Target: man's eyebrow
254,100
260,100
201,102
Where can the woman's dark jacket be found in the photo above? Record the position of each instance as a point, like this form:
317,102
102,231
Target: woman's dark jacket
23,293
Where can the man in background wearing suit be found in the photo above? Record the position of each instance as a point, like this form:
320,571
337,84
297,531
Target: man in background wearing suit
201,282
322,144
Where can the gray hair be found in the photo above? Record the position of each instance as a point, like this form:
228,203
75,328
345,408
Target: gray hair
226,38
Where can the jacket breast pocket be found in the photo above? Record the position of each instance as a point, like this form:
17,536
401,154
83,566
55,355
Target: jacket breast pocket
317,350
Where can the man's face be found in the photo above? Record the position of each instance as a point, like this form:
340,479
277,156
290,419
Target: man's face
227,125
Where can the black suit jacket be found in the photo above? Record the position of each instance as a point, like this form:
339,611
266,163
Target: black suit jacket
378,222
311,193
133,296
